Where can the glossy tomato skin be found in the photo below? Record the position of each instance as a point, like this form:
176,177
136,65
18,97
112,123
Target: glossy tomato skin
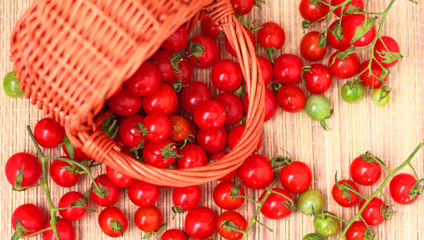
273,207
192,155
230,48
351,23
332,40
400,186
164,100
235,218
222,196
212,141
271,104
233,107
195,93
209,28
162,60
129,130
143,194
158,126
145,81
341,199
176,41
346,69
61,176
266,69
271,35
372,212
65,230
291,98
355,3
180,128
31,217
391,45
356,231
309,47
48,133
185,73
113,195
187,198
364,173
109,215
124,103
153,155
173,234
311,12
148,219
32,168
200,223
256,172
235,134
217,156
71,214
242,7
209,115
369,80
318,79
226,75
208,54
296,177
118,179
288,69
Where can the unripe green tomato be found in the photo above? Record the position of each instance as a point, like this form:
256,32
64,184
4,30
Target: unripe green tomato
325,224
11,86
313,236
354,93
380,97
318,107
309,201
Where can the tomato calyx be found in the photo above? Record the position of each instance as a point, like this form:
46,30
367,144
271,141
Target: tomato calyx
352,10
345,189
337,32
20,230
17,186
389,57
258,3
230,226
416,189
387,211
110,127
277,86
82,202
117,226
153,233
196,49
323,123
177,210
141,129
322,39
369,234
235,190
101,191
168,151
370,158
279,162
366,26
189,139
69,146
343,55
177,86
270,51
175,60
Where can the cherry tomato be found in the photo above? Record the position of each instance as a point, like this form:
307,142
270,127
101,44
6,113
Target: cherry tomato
113,222
209,28
318,107
368,79
266,69
160,154
130,130
143,194
187,198
176,41
124,103
351,23
355,3
71,214
312,13
32,168
317,78
332,40
113,195
164,100
296,177
158,126
372,212
325,224
310,201
256,172
145,81
119,179
274,207
212,141
48,133
242,7
380,97
202,51
271,36
11,85
62,176
78,153
148,219
192,155
180,128
237,219
235,134
341,199
226,75
291,98
200,223
163,61
209,115
65,230
288,69
196,92
365,173
173,234
271,104
313,236
216,157
184,73
353,92
356,231
344,69
30,216
380,48
309,47
230,48
232,105
400,187
222,196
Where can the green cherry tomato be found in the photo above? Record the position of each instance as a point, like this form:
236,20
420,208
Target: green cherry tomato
11,86
380,97
325,224
318,107
353,92
309,201
313,236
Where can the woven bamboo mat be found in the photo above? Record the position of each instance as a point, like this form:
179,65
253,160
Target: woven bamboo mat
391,132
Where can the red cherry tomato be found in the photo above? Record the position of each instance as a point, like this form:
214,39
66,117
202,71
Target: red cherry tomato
202,51
256,172
237,219
235,134
180,128
176,41
65,230
200,223
187,198
312,13
32,168
160,154
341,199
196,92
296,177
351,23
365,173
216,157
355,3
242,7
232,105
78,153
209,115
130,130
145,81
380,48
212,141
143,194
356,231
184,72
162,60
271,104
48,133
71,214
148,219
30,216
273,207
271,36
288,69
266,69
309,47
62,176
192,155
344,69
291,98
226,75
158,126
108,221
124,103
372,212
113,195
209,28
173,234
317,78
400,186
164,100
222,196
118,179
332,40
230,48
368,79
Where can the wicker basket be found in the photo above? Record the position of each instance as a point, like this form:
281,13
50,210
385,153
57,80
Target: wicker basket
71,55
